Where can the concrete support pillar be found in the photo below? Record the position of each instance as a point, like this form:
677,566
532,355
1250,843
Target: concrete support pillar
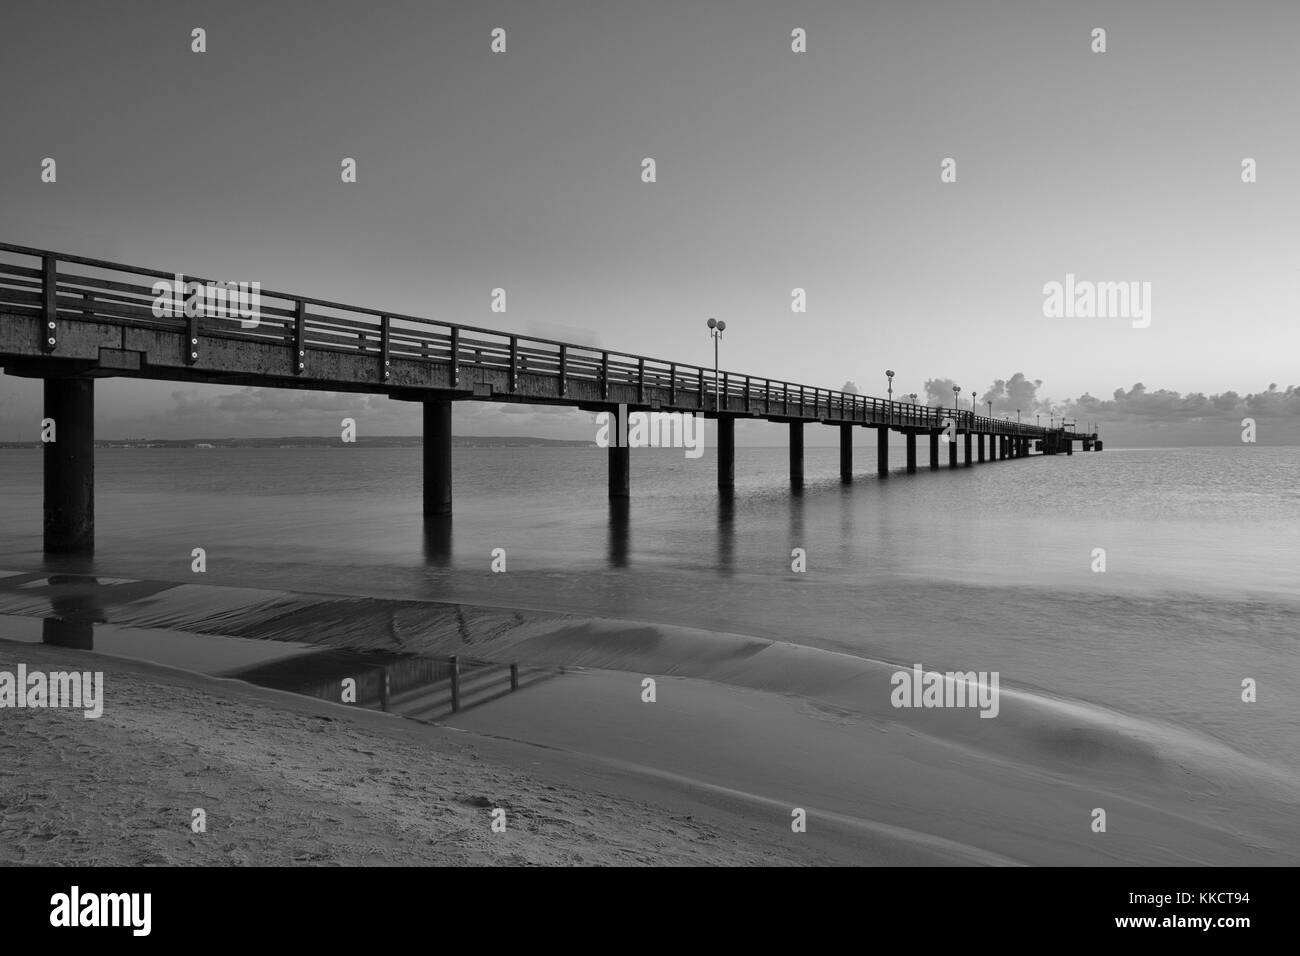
979,446
934,451
882,451
1069,447
952,451
846,453
70,466
620,456
796,454
967,461
437,458
911,452
727,452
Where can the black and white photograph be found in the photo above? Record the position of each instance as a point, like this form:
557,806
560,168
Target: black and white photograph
714,434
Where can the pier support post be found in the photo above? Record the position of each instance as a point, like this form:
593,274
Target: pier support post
1069,446
952,451
620,456
846,454
882,451
70,466
796,454
979,445
437,458
911,452
934,451
967,451
726,452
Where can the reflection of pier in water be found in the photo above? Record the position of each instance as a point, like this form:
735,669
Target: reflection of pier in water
415,686
72,608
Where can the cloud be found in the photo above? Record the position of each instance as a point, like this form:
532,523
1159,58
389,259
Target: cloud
1163,405
938,391
1142,416
1016,392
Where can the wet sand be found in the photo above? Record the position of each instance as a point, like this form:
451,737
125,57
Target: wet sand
742,733
286,779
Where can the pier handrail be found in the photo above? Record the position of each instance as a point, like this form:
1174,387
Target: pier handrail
59,294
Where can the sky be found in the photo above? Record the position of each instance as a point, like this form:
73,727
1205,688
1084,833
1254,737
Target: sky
775,170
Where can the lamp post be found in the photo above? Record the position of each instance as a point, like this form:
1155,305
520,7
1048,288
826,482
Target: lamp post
889,374
716,329
956,403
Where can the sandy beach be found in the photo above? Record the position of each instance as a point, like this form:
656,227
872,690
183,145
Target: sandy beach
742,733
286,779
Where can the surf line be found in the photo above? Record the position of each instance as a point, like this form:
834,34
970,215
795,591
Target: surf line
921,688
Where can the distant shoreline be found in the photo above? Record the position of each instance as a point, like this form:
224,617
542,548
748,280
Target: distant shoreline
321,441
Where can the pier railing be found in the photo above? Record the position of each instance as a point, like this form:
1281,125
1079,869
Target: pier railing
61,289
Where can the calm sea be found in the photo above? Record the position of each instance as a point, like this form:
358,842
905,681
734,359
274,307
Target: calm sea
986,568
